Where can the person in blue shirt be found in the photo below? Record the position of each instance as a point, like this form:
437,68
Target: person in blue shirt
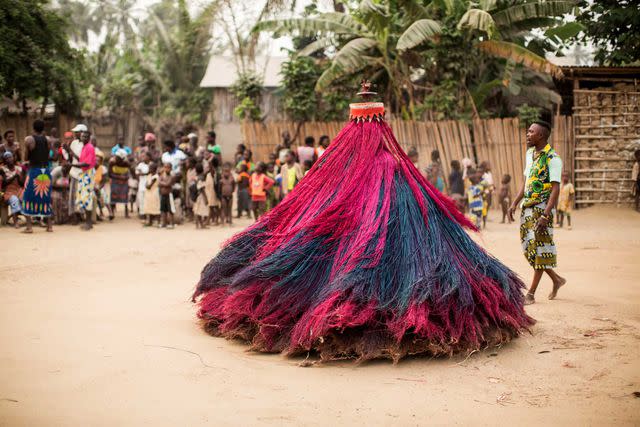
120,146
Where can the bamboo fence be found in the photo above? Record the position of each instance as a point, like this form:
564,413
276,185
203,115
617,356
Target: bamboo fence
501,142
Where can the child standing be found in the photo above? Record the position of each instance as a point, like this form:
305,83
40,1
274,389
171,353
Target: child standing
165,183
191,191
474,199
152,194
133,190
244,200
260,184
102,187
504,197
291,173
228,186
142,172
487,191
201,206
212,189
272,195
565,201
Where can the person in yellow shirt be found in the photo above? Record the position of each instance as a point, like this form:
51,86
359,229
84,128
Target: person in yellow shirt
291,173
565,201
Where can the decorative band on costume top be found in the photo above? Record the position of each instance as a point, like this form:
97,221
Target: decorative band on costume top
366,111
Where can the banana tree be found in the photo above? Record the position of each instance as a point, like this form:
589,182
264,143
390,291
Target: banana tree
503,30
367,40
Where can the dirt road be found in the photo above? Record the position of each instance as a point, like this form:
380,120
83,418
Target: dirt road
97,329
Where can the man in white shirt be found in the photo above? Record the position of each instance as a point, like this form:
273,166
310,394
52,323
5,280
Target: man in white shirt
75,149
539,195
173,155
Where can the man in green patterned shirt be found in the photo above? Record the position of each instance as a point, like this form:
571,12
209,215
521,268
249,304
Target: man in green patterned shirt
539,195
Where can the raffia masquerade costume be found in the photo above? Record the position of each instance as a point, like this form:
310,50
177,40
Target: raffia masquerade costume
363,259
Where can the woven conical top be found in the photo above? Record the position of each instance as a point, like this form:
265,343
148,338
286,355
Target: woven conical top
366,111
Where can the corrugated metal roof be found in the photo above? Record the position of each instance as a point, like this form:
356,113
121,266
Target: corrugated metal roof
222,71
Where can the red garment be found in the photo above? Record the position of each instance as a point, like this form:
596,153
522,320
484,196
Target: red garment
88,155
260,184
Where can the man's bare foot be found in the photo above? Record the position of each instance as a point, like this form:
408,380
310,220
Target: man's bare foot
27,231
49,229
557,285
529,299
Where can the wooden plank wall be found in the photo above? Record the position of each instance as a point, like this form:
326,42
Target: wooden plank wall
607,129
502,142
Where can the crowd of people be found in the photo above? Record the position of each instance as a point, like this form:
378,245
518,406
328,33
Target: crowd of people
70,180
182,181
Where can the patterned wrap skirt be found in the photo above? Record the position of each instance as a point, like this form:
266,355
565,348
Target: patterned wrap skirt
119,189
538,246
85,191
36,199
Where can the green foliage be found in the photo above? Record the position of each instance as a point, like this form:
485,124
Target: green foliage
443,100
248,89
37,62
151,68
614,27
247,109
445,57
299,75
528,114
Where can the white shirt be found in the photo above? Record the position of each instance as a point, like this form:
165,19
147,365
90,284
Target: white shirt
555,166
76,148
488,178
142,170
174,157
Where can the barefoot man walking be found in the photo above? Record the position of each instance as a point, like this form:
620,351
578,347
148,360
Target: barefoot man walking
543,173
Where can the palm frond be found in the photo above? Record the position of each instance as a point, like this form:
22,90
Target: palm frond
370,7
520,55
478,19
316,45
352,54
335,72
417,33
538,9
350,59
332,22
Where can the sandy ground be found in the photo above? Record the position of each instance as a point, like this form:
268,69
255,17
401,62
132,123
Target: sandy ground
96,329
